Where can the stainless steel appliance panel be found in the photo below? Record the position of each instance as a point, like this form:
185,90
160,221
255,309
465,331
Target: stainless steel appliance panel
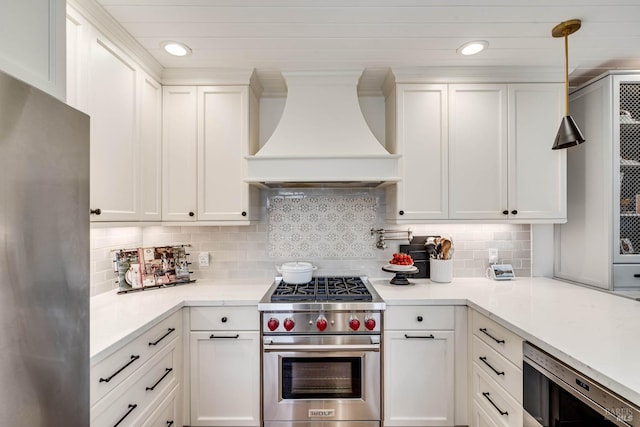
325,404
44,259
555,394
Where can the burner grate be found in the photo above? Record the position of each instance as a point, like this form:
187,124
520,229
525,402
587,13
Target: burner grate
323,289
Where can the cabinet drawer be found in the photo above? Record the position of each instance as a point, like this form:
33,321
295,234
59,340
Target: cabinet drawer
503,409
480,418
132,398
497,367
498,337
166,414
624,275
414,317
239,318
108,373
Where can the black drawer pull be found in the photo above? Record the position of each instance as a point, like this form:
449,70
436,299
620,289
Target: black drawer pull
224,336
484,360
636,275
428,337
166,372
484,331
169,423
486,395
131,408
106,380
163,337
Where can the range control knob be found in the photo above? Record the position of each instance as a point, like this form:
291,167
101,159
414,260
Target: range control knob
354,324
289,324
370,323
321,323
272,324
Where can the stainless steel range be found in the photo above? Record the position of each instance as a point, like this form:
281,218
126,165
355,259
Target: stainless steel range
321,364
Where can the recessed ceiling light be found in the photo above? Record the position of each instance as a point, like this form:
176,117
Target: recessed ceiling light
473,47
176,48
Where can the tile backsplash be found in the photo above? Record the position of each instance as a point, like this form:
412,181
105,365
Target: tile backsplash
328,227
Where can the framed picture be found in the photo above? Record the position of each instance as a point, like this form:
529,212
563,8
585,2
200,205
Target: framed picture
625,246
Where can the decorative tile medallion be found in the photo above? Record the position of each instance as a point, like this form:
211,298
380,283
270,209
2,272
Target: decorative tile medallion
309,226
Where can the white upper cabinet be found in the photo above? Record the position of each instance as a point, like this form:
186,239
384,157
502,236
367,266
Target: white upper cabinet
417,128
112,97
207,134
124,104
478,151
179,146
500,157
223,143
537,174
32,45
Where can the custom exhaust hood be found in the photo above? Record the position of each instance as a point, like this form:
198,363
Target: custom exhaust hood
322,138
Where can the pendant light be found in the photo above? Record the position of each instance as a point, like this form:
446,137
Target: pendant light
568,134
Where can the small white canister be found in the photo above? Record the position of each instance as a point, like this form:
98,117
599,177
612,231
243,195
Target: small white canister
441,270
296,272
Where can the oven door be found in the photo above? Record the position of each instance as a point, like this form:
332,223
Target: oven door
321,378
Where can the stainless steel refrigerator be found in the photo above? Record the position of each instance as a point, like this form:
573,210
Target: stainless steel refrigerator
44,259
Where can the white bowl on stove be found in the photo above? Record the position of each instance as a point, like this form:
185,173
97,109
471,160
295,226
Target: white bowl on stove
297,272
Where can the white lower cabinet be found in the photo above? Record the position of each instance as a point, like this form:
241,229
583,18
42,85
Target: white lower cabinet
495,364
134,382
419,366
225,366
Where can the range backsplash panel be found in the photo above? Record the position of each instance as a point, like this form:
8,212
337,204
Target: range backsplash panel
312,226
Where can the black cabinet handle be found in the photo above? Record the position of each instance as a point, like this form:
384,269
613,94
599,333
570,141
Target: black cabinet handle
96,211
428,337
419,318
166,372
401,212
162,337
191,214
484,360
505,212
636,275
484,331
131,408
233,337
133,359
243,213
486,395
514,212
224,319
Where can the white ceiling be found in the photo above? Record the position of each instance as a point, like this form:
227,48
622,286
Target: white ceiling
275,35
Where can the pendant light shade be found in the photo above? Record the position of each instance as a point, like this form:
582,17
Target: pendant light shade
569,134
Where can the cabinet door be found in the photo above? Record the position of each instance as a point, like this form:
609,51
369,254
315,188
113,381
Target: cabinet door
112,83
422,140
477,151
225,378
179,149
418,378
222,144
150,150
32,47
537,174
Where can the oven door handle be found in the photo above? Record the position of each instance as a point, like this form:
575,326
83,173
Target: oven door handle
271,347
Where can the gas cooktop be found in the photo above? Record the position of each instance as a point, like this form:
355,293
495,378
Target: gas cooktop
326,293
323,289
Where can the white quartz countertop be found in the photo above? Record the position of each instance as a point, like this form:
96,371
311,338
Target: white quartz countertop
596,332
